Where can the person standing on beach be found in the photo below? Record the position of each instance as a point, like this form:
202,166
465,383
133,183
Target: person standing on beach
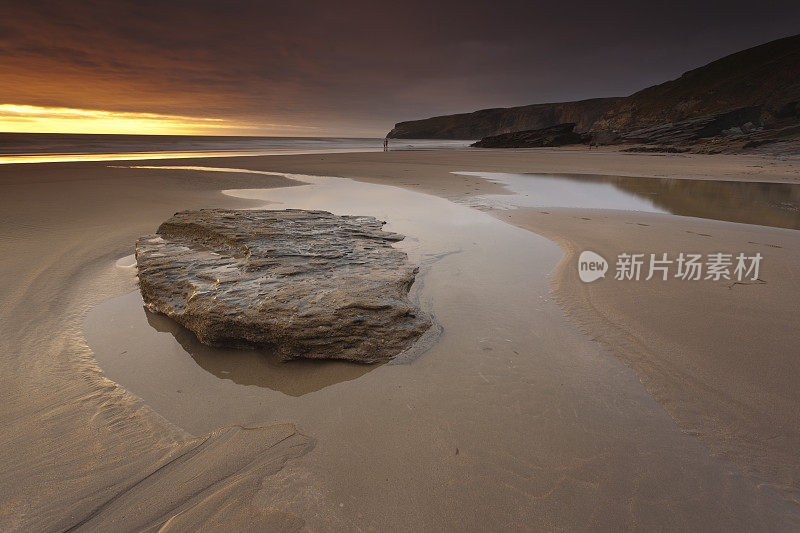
386,144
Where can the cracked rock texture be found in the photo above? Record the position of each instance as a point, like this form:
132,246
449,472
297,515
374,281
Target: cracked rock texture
303,283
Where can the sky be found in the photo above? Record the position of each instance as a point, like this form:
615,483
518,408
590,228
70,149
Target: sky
338,68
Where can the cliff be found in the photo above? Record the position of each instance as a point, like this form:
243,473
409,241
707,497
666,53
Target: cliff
766,77
488,122
558,135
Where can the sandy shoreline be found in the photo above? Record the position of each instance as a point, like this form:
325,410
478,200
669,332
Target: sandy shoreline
78,441
719,356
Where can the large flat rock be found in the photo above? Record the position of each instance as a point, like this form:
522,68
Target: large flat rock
303,283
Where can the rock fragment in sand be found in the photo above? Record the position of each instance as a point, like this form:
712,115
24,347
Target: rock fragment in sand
304,283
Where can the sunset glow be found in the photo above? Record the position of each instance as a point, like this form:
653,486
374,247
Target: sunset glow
35,119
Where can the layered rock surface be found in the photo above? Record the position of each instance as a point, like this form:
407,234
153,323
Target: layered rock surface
304,283
558,135
738,120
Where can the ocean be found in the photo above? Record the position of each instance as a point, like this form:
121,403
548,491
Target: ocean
52,147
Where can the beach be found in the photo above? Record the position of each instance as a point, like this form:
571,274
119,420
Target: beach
546,403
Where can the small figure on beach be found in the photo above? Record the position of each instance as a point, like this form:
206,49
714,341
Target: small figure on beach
386,144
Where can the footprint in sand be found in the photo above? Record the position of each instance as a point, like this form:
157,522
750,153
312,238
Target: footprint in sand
765,244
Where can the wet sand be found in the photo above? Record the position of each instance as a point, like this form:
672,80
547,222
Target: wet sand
720,356
514,419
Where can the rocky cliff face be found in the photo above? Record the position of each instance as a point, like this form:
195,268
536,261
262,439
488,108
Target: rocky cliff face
744,119
303,283
558,135
488,122
766,78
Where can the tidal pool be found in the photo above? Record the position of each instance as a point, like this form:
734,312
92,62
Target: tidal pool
765,204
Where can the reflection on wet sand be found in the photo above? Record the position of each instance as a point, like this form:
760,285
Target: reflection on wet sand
244,367
765,204
513,418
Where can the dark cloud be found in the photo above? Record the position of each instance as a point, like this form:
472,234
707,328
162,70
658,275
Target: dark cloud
358,67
